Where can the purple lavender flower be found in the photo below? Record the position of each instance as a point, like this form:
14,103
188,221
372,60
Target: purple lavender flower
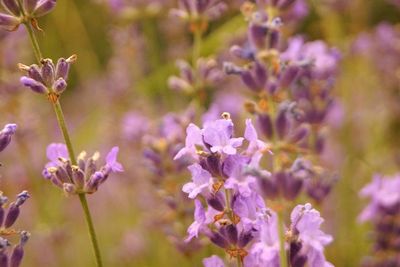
383,212
218,135
199,221
5,135
83,178
201,180
213,261
305,228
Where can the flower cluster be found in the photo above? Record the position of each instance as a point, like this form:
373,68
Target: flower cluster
227,176
85,177
292,99
48,78
383,211
27,12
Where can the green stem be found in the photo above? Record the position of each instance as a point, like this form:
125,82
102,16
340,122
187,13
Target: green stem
34,42
197,40
239,261
64,130
92,232
282,249
63,126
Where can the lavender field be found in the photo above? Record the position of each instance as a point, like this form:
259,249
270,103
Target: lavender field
216,133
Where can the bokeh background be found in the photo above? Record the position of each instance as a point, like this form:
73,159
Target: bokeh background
126,52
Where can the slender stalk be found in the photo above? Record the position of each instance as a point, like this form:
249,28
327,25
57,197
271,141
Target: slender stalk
34,42
197,40
92,232
282,250
63,127
64,130
239,262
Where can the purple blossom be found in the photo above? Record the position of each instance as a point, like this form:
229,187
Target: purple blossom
218,135
213,261
199,221
201,180
112,162
306,221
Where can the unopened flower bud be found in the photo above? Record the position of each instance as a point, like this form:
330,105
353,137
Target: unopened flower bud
5,135
11,6
60,85
69,189
30,5
18,251
44,7
48,72
33,85
9,23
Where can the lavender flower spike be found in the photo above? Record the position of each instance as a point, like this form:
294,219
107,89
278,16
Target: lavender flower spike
5,135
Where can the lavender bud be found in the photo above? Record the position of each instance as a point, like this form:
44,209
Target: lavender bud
10,23
219,240
29,6
230,68
78,177
268,187
18,252
11,6
216,202
261,75
12,215
265,124
3,256
282,123
274,39
244,238
60,85
95,180
33,85
289,185
44,7
13,210
62,175
289,75
257,34
21,198
3,200
299,134
213,164
62,69
179,84
5,135
48,72
248,80
232,233
34,73
69,189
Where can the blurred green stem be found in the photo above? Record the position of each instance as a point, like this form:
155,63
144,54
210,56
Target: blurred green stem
63,126
197,40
